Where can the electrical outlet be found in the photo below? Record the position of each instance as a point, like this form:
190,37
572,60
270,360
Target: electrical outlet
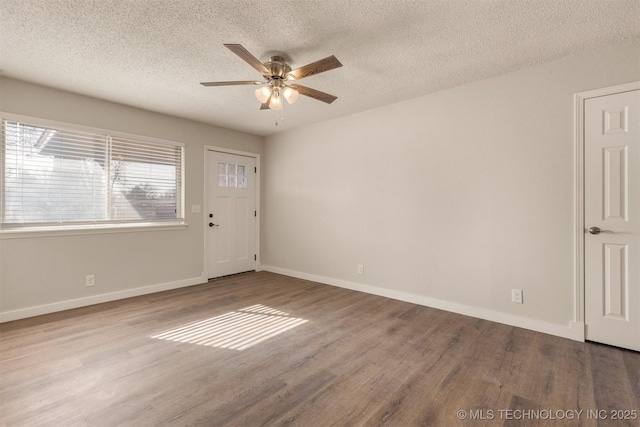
516,296
90,280
360,269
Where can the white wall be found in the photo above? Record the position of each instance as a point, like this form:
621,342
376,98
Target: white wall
449,200
43,274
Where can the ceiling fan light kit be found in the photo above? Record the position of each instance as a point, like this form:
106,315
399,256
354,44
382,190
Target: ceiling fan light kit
276,72
263,93
290,94
275,103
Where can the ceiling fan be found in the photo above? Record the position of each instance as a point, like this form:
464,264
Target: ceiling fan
277,73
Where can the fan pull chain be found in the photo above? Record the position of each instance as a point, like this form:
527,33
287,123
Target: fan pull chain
281,117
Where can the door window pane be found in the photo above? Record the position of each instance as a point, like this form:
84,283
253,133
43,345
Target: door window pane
232,175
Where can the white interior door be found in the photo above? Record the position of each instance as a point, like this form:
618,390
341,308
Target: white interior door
231,215
612,219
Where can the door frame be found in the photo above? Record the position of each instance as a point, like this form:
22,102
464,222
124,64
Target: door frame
256,156
578,323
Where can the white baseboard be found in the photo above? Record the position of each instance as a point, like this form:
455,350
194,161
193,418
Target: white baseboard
97,299
573,330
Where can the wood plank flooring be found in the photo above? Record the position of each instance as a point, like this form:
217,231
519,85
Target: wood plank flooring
358,360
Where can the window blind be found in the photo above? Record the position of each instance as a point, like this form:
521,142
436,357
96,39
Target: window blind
55,175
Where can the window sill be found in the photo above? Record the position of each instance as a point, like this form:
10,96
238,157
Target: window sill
69,230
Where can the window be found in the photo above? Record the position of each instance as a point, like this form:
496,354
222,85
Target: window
64,176
232,175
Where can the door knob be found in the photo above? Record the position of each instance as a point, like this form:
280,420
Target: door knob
596,230
213,225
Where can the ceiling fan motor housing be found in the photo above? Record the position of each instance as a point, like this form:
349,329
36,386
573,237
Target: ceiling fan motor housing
278,68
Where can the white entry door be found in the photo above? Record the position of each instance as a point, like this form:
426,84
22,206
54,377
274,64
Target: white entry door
612,219
231,216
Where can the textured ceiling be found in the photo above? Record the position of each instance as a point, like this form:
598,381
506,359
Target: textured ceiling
152,54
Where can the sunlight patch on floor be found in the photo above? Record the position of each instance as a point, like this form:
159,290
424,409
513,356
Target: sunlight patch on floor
236,330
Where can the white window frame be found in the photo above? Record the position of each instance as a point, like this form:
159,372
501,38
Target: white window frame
26,230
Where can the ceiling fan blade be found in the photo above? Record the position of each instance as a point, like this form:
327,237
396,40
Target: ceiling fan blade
245,82
315,94
326,64
248,58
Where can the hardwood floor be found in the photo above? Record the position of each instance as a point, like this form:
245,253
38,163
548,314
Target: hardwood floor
357,360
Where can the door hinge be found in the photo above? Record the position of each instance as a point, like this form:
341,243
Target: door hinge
255,169
255,257
255,213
